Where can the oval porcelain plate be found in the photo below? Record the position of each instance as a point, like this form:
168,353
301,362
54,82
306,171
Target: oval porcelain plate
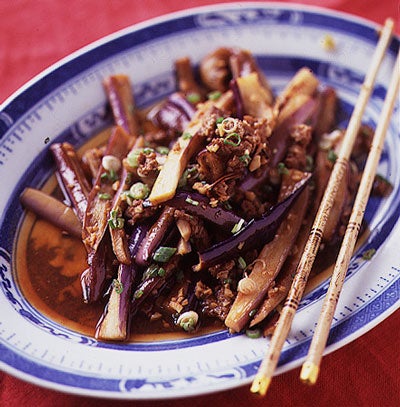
67,103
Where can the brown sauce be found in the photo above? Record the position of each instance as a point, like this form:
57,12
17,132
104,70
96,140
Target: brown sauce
49,264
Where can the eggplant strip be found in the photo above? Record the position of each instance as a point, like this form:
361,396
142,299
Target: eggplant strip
191,141
278,292
326,113
155,277
118,236
113,325
323,168
256,100
186,81
267,266
71,177
119,92
154,236
52,210
94,278
101,196
254,234
199,205
303,82
94,237
174,113
242,64
295,105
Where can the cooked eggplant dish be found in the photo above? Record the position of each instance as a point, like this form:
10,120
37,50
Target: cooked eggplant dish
193,214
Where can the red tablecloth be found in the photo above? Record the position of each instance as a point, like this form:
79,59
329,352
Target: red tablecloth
35,34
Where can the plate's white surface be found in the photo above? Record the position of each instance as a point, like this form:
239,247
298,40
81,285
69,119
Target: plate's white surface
67,103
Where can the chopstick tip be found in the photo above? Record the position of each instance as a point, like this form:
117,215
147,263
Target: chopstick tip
309,373
260,384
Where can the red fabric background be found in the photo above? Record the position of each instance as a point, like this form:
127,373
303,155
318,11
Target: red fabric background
34,35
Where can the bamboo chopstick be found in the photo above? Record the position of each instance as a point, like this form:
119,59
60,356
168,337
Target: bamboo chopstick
310,369
266,370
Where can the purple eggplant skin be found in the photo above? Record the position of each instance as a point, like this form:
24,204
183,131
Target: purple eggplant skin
174,113
238,99
126,276
254,234
155,236
199,205
71,177
94,278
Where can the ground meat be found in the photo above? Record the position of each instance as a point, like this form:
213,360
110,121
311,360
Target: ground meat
228,155
202,291
219,303
137,211
222,271
147,164
300,137
251,205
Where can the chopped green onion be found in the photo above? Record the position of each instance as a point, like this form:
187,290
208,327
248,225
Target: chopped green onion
245,158
215,95
220,120
190,172
148,150
183,179
232,139
253,333
282,169
115,222
137,294
161,272
242,263
109,176
237,226
186,136
227,280
112,175
162,150
192,201
368,254
332,156
193,97
139,191
163,254
104,196
133,156
150,272
118,287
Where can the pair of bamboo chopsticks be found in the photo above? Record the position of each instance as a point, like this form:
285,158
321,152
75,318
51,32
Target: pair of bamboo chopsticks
310,368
